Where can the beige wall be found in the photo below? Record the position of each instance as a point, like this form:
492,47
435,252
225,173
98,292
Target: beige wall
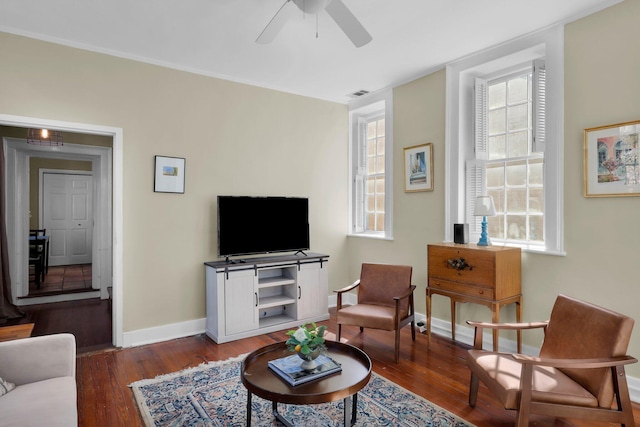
236,139
602,65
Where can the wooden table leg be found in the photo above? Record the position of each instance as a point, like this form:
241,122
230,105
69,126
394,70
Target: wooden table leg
428,318
495,318
453,319
519,320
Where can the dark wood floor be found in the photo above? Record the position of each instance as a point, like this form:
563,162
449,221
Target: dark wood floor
89,320
439,374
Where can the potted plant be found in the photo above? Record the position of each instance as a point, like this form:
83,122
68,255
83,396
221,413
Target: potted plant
308,342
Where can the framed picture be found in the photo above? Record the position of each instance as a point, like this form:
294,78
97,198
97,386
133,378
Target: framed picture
169,175
611,166
418,168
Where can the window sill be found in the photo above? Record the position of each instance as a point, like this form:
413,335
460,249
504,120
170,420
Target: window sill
532,249
370,236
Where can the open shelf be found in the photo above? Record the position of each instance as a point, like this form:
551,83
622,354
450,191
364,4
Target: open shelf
275,281
274,301
275,320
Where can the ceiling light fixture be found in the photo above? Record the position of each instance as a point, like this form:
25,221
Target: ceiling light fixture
336,9
52,138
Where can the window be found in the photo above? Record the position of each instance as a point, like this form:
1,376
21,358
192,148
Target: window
371,160
374,175
505,139
512,171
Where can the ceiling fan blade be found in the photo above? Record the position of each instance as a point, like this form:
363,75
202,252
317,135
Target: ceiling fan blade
276,24
348,23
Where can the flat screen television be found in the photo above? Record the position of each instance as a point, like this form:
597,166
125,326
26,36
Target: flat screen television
260,225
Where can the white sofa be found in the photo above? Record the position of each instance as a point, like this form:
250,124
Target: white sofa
44,372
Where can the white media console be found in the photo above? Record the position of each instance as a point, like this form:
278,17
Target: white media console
265,294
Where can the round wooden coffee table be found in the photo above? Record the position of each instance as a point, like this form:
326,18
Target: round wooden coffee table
262,381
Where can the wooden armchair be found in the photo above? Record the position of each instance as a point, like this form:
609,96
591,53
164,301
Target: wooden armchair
385,301
577,375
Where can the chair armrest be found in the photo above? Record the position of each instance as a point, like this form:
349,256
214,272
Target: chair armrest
348,288
480,327
35,359
508,326
407,294
342,291
575,363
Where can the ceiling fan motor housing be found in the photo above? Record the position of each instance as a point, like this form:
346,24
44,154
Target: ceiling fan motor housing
311,6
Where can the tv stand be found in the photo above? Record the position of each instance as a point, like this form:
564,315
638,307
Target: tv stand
259,295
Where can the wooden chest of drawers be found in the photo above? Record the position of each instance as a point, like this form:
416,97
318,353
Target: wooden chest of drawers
487,275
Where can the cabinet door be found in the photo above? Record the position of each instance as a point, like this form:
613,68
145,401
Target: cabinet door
313,290
240,302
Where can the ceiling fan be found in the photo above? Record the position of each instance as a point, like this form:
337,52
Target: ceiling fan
335,8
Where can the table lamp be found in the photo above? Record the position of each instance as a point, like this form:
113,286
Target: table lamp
484,208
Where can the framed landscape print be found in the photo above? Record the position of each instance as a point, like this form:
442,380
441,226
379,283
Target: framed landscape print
611,166
418,168
169,175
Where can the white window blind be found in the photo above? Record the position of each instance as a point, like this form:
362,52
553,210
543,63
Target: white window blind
539,103
476,178
480,113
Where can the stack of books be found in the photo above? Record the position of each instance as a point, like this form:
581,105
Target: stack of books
288,368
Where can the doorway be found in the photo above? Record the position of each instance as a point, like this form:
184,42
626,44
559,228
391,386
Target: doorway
106,243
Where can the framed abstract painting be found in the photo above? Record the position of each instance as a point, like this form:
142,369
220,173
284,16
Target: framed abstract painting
611,167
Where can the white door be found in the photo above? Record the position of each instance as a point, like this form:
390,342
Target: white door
67,217
313,286
240,302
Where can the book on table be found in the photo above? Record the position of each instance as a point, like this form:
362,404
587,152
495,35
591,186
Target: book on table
288,368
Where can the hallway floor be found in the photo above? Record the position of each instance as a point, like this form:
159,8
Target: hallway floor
63,279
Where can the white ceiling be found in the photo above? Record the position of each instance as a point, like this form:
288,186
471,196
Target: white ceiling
411,38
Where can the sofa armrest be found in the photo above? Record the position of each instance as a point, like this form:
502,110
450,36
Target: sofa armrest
34,359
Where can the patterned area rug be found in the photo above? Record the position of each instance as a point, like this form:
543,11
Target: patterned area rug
213,395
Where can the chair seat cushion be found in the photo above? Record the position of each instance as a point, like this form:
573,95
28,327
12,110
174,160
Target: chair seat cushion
501,374
368,316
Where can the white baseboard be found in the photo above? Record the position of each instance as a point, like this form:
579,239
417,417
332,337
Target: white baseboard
164,333
464,334
58,298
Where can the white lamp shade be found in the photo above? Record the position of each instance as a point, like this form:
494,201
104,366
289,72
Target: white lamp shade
484,206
